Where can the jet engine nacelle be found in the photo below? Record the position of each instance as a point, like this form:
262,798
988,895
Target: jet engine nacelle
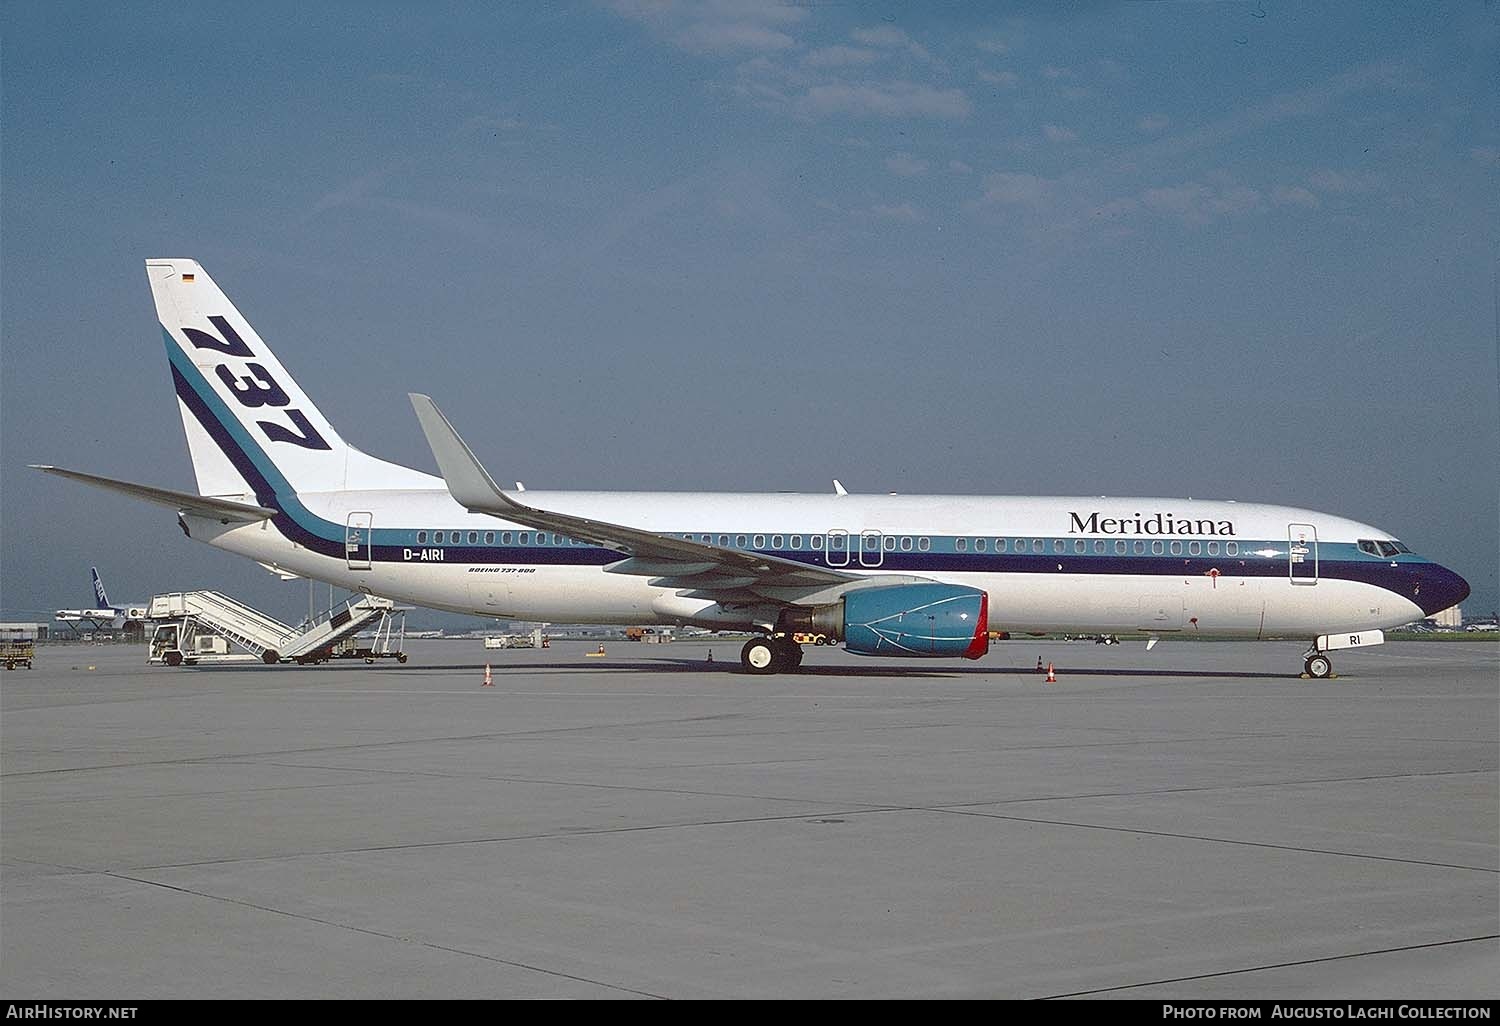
902,620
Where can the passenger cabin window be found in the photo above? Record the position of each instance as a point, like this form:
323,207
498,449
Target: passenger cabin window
1213,548
999,544
421,537
906,543
1080,546
1099,546
1157,548
1194,548
505,538
796,541
438,537
923,544
1232,548
978,544
1177,548
489,537
961,544
473,537
525,537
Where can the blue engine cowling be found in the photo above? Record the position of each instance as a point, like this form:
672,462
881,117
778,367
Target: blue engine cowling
917,620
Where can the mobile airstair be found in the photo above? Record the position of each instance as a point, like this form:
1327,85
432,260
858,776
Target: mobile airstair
210,627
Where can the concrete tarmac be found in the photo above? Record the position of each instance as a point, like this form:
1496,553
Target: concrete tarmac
1192,822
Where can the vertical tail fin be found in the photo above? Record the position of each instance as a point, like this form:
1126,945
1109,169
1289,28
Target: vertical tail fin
99,595
250,428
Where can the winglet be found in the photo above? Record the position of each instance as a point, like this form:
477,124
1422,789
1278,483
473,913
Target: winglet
468,482
838,487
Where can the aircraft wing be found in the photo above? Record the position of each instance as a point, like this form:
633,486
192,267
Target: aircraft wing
225,511
673,562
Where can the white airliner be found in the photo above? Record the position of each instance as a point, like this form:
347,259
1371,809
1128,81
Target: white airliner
104,616
900,576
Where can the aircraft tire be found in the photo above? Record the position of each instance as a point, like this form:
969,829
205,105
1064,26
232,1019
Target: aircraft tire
759,656
1319,667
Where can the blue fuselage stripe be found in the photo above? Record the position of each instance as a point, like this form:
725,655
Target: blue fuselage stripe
1338,561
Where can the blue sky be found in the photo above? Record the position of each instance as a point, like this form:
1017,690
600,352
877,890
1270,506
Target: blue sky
1239,250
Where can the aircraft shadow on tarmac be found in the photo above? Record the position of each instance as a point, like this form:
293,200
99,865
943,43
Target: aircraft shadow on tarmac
670,665
728,667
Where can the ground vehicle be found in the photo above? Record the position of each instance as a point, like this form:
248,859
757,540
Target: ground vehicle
17,653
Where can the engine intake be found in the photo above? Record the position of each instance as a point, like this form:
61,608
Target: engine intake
943,620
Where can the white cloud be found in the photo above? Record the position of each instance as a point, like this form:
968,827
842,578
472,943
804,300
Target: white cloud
1344,182
840,57
886,100
905,165
1151,124
731,37
1008,79
905,213
1015,189
720,26
891,38
1487,155
958,167
1058,134
881,35
1294,196
1197,203
993,46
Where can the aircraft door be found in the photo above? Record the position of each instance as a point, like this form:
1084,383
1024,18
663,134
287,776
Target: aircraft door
836,548
1302,553
357,533
870,553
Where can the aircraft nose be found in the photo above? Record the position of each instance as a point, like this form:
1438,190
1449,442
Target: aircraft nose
1436,588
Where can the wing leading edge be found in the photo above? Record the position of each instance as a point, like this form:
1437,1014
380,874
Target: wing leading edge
709,571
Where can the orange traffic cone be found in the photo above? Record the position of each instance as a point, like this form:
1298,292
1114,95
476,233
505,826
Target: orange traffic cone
1051,674
489,680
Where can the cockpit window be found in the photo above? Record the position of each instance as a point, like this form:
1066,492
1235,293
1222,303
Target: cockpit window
1382,548
1368,547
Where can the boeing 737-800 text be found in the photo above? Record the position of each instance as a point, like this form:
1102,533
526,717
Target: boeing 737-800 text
893,575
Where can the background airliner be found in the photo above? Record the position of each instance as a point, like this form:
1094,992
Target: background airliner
103,615
901,576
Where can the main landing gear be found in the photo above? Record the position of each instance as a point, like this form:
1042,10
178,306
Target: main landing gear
778,654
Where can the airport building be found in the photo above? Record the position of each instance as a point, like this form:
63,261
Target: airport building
1452,617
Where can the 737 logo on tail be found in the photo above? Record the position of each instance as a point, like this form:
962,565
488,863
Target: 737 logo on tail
257,388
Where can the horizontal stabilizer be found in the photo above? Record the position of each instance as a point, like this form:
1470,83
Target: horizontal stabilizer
223,510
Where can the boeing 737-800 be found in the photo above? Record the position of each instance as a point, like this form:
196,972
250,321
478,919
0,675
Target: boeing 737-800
900,576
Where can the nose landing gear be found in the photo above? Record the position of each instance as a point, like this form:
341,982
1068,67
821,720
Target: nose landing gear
1318,666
